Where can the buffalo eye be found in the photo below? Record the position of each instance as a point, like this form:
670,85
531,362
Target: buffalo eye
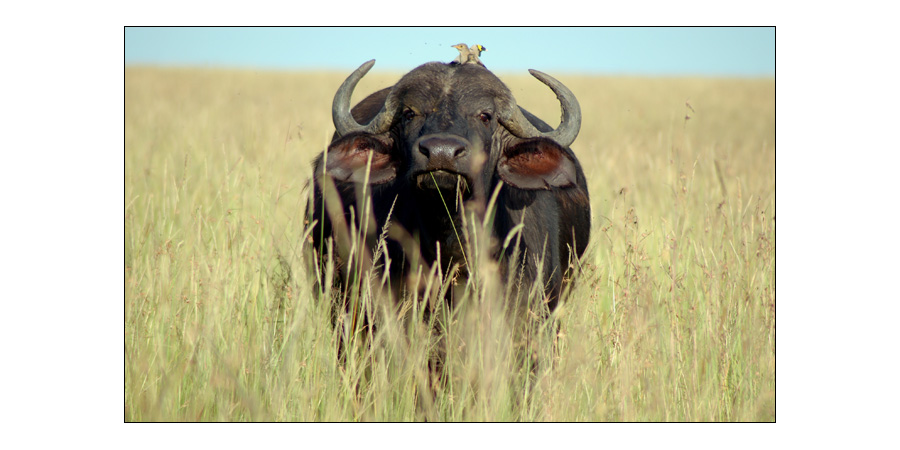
408,115
485,117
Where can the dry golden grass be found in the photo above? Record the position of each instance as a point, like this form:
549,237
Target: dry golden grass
672,318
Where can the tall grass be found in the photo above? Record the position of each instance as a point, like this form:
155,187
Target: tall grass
670,318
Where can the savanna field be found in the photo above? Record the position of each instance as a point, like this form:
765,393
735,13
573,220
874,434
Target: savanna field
671,316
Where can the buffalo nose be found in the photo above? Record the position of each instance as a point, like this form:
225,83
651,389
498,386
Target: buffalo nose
445,148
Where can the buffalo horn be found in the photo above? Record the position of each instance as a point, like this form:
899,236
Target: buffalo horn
570,124
344,122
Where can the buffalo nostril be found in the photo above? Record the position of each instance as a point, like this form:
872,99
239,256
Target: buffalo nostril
443,148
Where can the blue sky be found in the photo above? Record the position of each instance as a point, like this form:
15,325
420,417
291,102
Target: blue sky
745,52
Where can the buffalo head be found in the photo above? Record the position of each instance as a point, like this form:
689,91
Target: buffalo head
446,125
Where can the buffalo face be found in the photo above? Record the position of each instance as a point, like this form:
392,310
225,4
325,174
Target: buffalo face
448,127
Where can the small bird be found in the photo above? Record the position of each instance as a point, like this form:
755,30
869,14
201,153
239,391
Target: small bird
475,52
463,56
468,55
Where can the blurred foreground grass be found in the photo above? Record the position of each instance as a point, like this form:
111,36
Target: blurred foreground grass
672,318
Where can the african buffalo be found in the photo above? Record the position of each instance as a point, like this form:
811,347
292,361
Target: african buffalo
444,137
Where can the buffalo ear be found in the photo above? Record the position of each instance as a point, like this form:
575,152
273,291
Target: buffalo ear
537,163
347,158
